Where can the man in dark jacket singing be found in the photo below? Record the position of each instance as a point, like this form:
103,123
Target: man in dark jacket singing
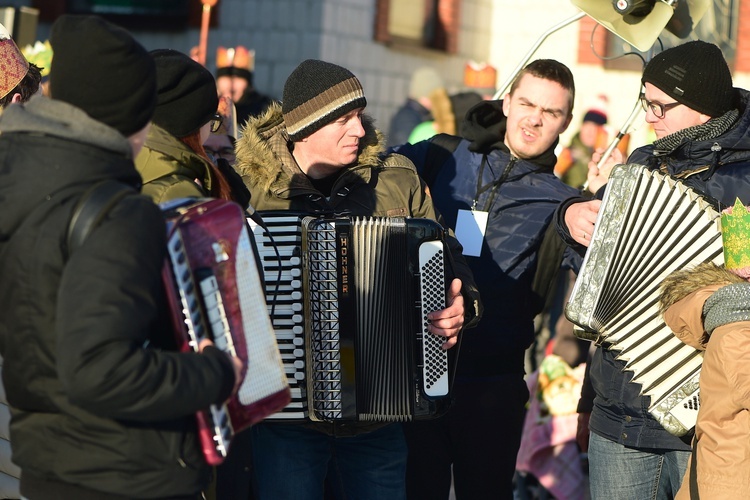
498,192
101,409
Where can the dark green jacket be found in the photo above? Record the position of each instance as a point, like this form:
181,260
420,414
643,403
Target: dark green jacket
169,168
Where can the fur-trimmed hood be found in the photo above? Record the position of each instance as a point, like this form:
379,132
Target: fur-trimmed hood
683,294
680,284
264,145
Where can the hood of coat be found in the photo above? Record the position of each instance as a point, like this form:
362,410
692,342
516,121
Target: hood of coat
682,296
682,283
485,126
164,154
264,157
50,150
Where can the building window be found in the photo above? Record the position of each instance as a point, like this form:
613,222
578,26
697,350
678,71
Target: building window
431,24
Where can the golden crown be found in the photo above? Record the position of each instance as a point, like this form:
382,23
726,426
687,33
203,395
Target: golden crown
236,57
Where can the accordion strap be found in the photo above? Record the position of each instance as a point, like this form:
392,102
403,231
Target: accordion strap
91,209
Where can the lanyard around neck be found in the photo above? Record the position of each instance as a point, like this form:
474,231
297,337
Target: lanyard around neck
494,185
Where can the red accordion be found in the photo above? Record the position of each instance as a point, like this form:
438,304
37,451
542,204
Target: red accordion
214,290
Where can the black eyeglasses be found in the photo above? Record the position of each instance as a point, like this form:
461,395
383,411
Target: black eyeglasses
657,108
216,122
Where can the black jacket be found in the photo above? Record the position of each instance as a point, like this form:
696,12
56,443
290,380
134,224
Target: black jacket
97,401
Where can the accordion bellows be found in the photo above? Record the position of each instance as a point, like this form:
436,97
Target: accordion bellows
648,226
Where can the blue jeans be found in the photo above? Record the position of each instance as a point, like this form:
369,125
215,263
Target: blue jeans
291,462
620,473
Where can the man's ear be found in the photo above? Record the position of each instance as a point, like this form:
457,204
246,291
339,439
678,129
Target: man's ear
567,122
506,104
16,98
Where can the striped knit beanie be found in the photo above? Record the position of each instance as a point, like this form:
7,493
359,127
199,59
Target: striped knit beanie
317,93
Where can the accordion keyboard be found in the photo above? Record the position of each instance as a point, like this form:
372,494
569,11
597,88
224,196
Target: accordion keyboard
216,419
284,295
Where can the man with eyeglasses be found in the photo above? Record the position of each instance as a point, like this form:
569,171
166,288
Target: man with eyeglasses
701,124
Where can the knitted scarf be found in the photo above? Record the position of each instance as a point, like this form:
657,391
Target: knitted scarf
728,304
712,129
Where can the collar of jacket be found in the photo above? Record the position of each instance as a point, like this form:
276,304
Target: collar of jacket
176,156
485,129
264,156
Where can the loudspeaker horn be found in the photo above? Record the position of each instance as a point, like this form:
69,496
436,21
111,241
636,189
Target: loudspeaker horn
641,30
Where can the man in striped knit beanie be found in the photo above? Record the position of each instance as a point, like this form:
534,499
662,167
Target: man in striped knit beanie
318,153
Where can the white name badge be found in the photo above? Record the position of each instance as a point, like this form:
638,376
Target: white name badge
470,229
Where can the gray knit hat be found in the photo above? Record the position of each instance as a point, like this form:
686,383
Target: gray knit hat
694,74
317,93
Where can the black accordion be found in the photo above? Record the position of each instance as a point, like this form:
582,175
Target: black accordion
648,226
348,299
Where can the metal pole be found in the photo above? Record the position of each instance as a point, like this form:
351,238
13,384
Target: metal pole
624,130
530,53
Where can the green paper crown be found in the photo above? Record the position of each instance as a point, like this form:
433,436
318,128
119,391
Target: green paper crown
735,234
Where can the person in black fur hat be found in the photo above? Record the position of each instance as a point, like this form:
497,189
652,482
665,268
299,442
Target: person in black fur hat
103,404
173,162
702,126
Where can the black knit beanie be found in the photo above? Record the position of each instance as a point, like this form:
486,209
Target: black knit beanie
317,93
694,74
187,97
101,69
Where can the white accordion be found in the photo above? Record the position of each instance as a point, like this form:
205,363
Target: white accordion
648,226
